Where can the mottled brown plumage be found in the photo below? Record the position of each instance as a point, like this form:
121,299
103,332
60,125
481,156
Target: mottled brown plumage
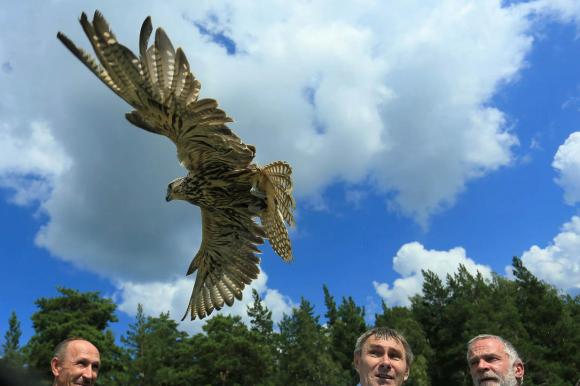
231,191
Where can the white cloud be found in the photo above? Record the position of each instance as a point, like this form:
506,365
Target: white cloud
397,93
559,262
567,163
411,258
30,161
173,296
562,10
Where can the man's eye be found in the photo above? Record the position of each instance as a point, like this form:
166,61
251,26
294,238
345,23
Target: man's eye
82,364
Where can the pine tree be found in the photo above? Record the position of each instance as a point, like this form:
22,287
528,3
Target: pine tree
429,310
552,330
229,354
331,311
260,316
345,324
134,341
161,346
305,358
12,353
262,332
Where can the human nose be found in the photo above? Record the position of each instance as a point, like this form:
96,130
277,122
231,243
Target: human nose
482,365
385,361
89,372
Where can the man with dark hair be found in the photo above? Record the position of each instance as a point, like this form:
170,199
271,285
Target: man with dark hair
382,356
494,361
76,361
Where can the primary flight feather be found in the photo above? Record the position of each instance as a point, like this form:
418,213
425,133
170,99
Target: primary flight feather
231,191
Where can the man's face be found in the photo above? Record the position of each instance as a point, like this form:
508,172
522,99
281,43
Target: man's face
490,364
381,362
78,366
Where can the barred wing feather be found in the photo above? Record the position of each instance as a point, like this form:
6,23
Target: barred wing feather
221,274
163,92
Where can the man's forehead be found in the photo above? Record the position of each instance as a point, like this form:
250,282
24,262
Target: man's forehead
82,348
373,340
487,346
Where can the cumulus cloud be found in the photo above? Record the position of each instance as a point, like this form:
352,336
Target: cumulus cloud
30,161
567,163
562,10
411,258
396,95
559,262
173,296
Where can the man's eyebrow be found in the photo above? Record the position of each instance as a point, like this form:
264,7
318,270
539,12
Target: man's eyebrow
396,350
488,355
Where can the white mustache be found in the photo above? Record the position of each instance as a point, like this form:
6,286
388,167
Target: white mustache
488,376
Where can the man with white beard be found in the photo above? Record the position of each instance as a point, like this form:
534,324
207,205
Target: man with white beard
493,361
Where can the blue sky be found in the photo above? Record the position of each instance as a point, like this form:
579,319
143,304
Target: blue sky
422,135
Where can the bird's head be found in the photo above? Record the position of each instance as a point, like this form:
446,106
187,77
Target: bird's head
175,190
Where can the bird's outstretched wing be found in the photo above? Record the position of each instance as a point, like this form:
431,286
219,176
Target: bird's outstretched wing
164,93
231,191
226,261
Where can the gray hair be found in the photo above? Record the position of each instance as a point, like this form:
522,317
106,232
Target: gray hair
385,333
508,347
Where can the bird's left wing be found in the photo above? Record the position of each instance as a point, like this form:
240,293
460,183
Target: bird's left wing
164,93
226,261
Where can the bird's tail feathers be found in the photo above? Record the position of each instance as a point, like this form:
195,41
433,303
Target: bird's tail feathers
276,183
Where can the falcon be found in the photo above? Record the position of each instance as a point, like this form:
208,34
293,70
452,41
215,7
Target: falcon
232,192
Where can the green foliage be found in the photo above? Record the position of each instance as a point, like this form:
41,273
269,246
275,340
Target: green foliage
260,316
345,324
11,351
85,315
262,330
230,354
134,342
153,344
543,325
305,351
553,330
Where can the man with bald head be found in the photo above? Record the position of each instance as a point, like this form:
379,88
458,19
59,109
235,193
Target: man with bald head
493,361
76,361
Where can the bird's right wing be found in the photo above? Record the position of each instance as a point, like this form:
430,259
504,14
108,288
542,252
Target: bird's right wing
226,261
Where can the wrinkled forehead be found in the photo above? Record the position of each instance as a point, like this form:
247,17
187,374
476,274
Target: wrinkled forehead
487,346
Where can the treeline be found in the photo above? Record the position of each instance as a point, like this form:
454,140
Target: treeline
543,324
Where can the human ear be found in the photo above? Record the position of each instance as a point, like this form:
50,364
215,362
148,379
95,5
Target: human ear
356,362
54,366
519,369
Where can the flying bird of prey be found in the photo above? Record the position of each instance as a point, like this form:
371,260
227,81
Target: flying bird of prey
231,191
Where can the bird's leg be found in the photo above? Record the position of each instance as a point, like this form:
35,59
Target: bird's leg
255,190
